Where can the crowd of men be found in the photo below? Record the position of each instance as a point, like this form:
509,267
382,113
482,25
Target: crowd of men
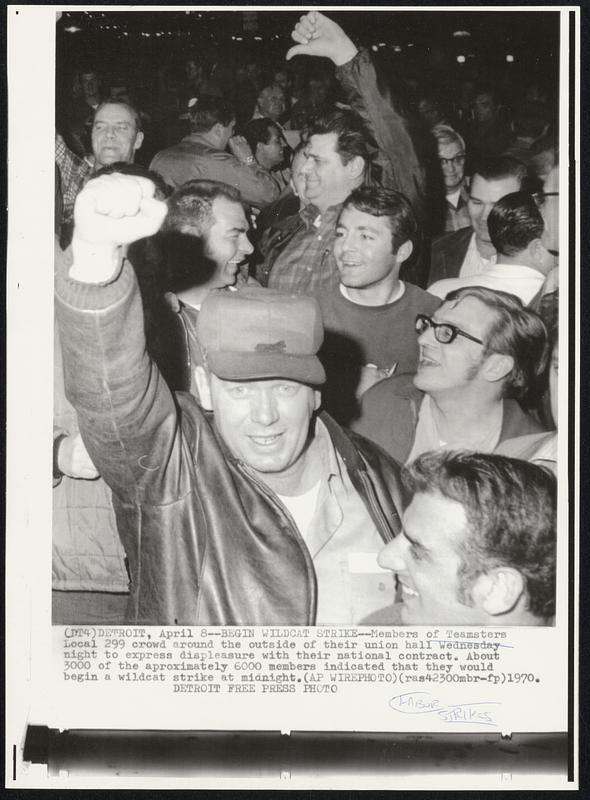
295,359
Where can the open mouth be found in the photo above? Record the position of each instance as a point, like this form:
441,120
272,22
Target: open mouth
265,441
407,593
427,362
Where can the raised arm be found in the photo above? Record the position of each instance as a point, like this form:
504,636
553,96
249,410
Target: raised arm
397,162
126,413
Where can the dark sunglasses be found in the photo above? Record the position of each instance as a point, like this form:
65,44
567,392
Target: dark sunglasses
444,332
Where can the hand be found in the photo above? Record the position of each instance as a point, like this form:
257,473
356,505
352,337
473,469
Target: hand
241,149
370,375
117,209
318,35
73,459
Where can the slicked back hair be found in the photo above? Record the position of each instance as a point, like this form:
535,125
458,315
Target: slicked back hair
190,207
514,222
499,168
390,204
115,101
510,506
515,331
208,111
352,137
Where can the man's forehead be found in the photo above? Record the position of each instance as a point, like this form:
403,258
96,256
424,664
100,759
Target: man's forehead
112,112
352,217
322,144
228,213
490,191
449,149
468,312
434,521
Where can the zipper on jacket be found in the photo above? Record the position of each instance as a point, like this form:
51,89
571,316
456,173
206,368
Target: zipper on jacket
271,496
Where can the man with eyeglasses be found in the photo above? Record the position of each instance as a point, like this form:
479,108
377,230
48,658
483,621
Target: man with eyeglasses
469,251
480,352
451,156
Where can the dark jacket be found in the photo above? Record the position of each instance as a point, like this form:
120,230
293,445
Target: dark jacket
448,253
207,542
389,415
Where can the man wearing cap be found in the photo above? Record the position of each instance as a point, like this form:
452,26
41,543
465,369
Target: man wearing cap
254,509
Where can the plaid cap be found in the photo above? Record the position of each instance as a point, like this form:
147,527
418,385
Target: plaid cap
258,333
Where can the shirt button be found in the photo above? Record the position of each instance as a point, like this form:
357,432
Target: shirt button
381,587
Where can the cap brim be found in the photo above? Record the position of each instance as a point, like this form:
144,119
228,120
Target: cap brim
257,366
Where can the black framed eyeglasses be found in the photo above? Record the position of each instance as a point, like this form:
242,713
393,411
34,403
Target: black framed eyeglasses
455,161
444,332
539,197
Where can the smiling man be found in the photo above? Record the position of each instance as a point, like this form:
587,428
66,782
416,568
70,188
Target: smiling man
203,243
479,542
479,352
369,318
252,508
345,148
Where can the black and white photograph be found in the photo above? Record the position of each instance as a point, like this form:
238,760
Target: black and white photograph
299,390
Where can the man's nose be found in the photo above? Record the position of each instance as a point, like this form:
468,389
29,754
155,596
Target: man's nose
264,409
393,555
427,336
246,245
306,166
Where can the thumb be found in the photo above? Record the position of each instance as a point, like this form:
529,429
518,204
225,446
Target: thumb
298,49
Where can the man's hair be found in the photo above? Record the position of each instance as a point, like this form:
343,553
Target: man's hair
116,101
444,134
258,131
485,88
162,192
514,222
499,168
352,137
390,204
190,207
208,111
510,506
515,331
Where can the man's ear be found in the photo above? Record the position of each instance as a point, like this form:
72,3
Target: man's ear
138,140
217,130
498,591
356,167
540,256
404,251
203,381
497,366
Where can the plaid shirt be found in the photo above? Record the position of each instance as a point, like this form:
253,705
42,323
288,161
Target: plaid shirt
307,262
74,172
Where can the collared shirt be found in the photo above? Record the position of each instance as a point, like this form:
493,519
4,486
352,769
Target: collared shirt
474,263
428,434
524,282
457,216
343,543
307,262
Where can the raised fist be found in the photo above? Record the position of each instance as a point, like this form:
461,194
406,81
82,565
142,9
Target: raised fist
117,209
